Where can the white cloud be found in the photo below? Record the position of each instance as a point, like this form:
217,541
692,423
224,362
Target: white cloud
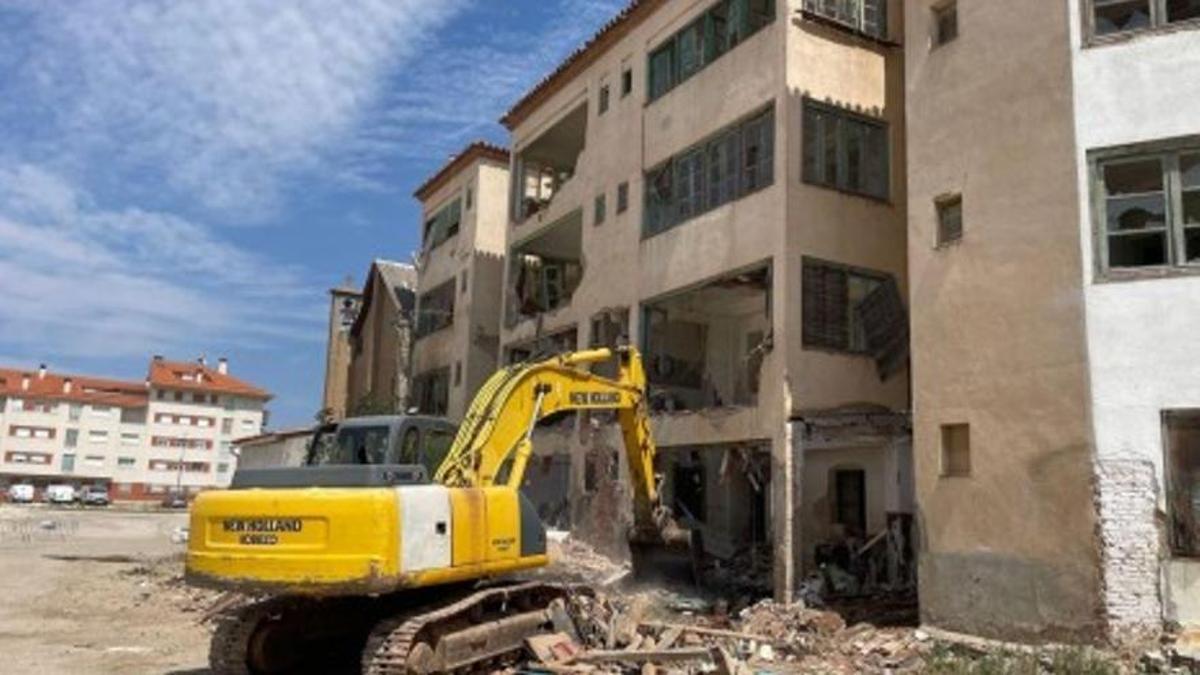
225,98
83,281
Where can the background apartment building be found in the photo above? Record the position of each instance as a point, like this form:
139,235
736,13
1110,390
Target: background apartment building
178,427
1054,205
721,183
459,279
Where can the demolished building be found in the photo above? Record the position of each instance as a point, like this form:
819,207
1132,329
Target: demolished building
721,184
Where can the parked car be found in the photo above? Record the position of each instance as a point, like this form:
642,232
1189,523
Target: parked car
94,495
60,494
21,493
175,499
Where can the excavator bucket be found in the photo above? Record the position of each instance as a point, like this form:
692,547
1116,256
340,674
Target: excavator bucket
672,555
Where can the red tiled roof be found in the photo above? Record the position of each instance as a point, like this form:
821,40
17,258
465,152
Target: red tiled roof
476,150
172,374
83,389
609,34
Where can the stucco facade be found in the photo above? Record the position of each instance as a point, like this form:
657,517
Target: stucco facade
730,272
455,349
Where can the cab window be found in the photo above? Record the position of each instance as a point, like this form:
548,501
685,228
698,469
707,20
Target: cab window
410,447
437,444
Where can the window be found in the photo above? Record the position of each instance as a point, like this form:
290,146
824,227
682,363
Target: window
97,436
733,163
227,425
845,151
726,24
864,16
130,439
623,197
945,24
949,219
1181,431
457,373
94,460
956,450
72,438
248,425
601,209
126,462
854,311
160,394
602,103
179,396
626,82
437,444
435,309
1150,210
222,467
431,392
462,282
68,463
443,224
1112,17
74,412
850,500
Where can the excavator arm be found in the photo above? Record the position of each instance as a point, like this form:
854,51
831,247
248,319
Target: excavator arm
493,445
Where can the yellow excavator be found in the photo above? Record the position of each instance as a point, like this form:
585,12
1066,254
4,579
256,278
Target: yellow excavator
359,557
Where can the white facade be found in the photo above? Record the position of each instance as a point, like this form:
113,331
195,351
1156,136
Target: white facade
1141,333
142,440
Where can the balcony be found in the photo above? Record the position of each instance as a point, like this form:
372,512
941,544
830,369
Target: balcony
545,269
545,168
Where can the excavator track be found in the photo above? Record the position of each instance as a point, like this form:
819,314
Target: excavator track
483,628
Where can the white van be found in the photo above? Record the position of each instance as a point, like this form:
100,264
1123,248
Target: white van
21,493
60,494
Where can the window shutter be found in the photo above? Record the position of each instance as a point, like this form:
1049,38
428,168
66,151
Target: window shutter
885,323
825,314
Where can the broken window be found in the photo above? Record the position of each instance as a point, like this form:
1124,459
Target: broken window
1140,225
546,270
1110,17
956,450
845,151
704,348
716,31
949,219
435,309
1182,430
431,392
864,16
855,311
733,163
443,224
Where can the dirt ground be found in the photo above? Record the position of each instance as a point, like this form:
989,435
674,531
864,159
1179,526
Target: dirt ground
75,594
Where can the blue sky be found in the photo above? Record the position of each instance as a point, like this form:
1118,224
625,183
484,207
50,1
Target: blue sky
186,178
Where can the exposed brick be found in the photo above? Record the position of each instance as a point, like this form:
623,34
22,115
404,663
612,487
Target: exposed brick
1127,502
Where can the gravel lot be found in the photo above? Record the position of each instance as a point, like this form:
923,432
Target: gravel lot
81,591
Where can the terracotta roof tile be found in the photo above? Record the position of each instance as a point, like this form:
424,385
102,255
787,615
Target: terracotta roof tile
608,35
192,376
476,150
83,389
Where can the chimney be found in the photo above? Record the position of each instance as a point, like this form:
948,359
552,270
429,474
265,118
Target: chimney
158,357
67,385
24,381
42,371
223,365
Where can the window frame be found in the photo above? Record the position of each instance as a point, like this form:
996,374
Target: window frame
622,197
1167,417
944,433
878,276
842,115
936,39
1168,152
1159,23
941,205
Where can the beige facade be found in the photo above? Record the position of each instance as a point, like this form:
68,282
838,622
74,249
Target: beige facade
381,341
344,303
707,265
459,280
998,326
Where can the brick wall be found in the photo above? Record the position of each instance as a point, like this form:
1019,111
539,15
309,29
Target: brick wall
1127,503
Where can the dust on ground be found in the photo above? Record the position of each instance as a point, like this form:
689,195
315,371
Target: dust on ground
96,591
